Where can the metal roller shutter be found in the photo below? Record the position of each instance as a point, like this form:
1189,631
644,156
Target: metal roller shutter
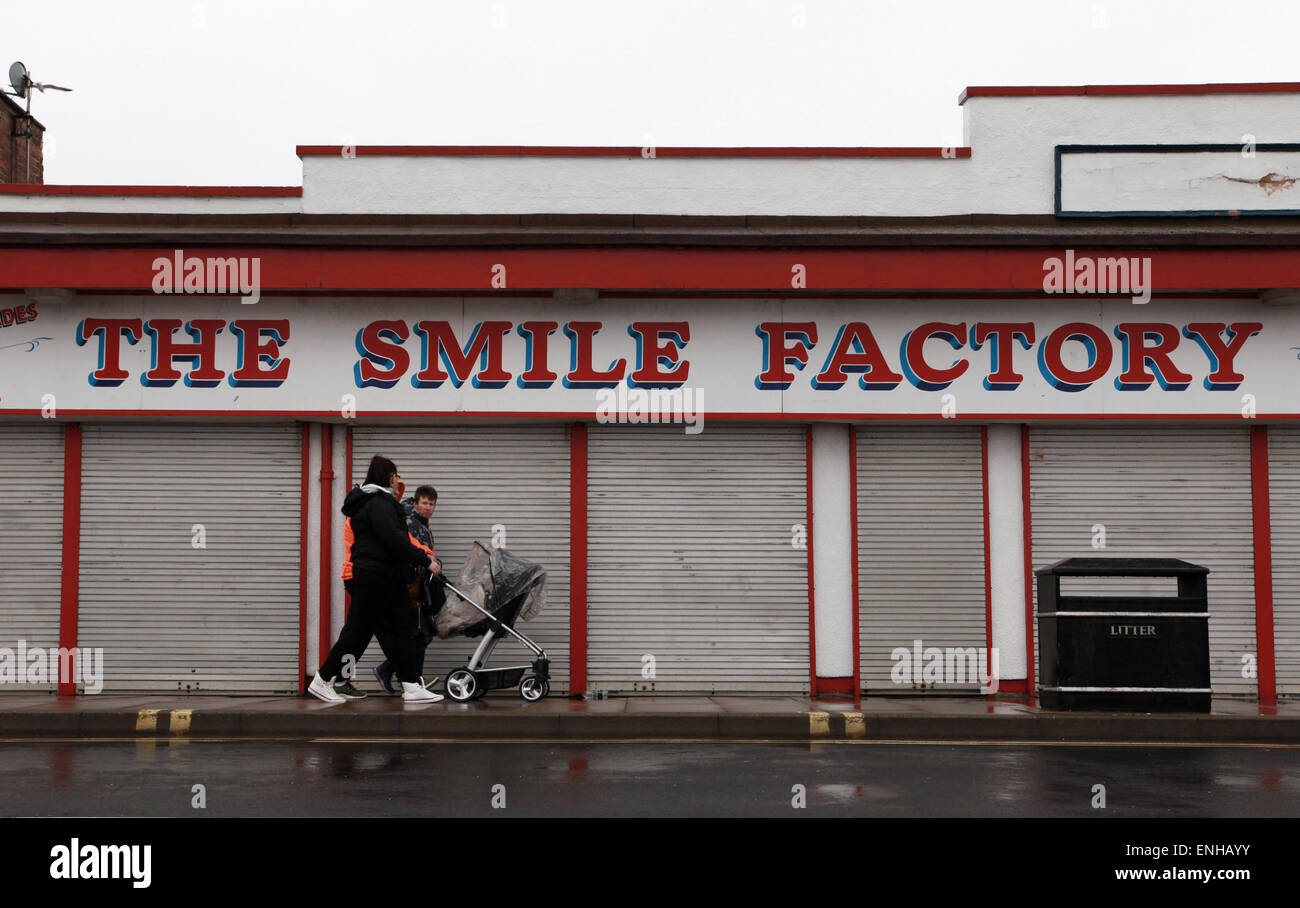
1284,490
171,615
515,477
31,530
1159,492
691,559
920,546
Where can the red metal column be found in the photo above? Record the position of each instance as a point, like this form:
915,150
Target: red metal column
853,558
1260,511
70,568
577,558
326,531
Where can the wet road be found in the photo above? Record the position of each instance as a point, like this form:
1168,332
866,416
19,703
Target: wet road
153,777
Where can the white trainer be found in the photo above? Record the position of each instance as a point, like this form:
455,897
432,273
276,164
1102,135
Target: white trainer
414,693
324,690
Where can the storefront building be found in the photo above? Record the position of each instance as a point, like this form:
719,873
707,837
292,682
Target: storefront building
776,420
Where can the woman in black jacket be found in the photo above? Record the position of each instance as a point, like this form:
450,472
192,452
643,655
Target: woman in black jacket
382,553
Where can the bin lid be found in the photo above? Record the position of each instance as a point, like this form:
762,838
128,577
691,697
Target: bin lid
1122,567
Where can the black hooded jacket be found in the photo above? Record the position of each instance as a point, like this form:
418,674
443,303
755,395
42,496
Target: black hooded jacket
380,542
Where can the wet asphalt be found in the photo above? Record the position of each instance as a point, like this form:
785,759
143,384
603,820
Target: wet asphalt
324,778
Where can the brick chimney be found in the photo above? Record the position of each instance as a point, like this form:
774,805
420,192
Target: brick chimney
16,165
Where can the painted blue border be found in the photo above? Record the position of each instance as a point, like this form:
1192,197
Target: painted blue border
1166,149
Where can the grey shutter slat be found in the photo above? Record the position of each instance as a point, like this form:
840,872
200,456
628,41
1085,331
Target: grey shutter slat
1160,492
170,616
691,561
1284,492
31,538
515,476
920,546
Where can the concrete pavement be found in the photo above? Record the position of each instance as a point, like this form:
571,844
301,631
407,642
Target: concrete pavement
503,716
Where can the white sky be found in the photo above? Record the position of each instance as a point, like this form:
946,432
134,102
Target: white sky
213,92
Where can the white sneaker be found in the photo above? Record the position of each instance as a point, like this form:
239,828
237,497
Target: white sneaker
414,693
324,690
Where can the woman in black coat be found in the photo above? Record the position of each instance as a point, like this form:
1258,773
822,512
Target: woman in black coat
382,555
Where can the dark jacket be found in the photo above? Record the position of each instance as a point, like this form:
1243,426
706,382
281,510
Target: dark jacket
431,597
417,526
380,542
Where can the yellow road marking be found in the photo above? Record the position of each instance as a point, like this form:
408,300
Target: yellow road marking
180,723
819,724
146,720
854,725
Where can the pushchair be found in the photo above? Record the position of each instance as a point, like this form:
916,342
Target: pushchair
495,589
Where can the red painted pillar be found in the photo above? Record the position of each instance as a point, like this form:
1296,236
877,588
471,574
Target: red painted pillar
1260,512
70,567
326,531
578,559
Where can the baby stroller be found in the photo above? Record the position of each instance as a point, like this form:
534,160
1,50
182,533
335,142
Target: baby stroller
495,589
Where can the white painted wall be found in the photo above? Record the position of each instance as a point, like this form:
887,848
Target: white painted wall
1010,171
132,204
1181,181
832,550
1007,549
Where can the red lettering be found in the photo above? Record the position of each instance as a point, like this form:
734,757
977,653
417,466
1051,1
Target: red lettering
656,341
1137,353
583,374
856,350
440,345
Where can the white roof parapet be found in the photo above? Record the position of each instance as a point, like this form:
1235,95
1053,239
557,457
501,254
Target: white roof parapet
1008,166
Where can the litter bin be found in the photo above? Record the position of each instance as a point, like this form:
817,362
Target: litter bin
1129,653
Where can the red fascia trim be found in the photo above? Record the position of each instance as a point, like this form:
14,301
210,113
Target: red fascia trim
347,471
1208,88
326,530
644,269
837,686
1029,560
578,558
1262,520
988,567
304,470
627,151
70,570
853,561
812,598
185,191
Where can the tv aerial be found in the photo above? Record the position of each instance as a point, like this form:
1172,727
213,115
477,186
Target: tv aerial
23,83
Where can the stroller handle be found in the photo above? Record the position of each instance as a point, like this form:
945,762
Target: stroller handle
493,618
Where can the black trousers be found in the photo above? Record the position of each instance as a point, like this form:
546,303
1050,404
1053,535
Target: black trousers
380,609
434,597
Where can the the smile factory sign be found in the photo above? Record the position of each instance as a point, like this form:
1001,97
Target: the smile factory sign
748,357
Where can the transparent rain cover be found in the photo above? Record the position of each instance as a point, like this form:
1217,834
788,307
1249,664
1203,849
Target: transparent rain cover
494,580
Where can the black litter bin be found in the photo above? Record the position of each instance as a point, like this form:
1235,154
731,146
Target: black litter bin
1130,653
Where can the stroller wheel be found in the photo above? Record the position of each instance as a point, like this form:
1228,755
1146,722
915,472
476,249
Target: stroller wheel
462,685
533,690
